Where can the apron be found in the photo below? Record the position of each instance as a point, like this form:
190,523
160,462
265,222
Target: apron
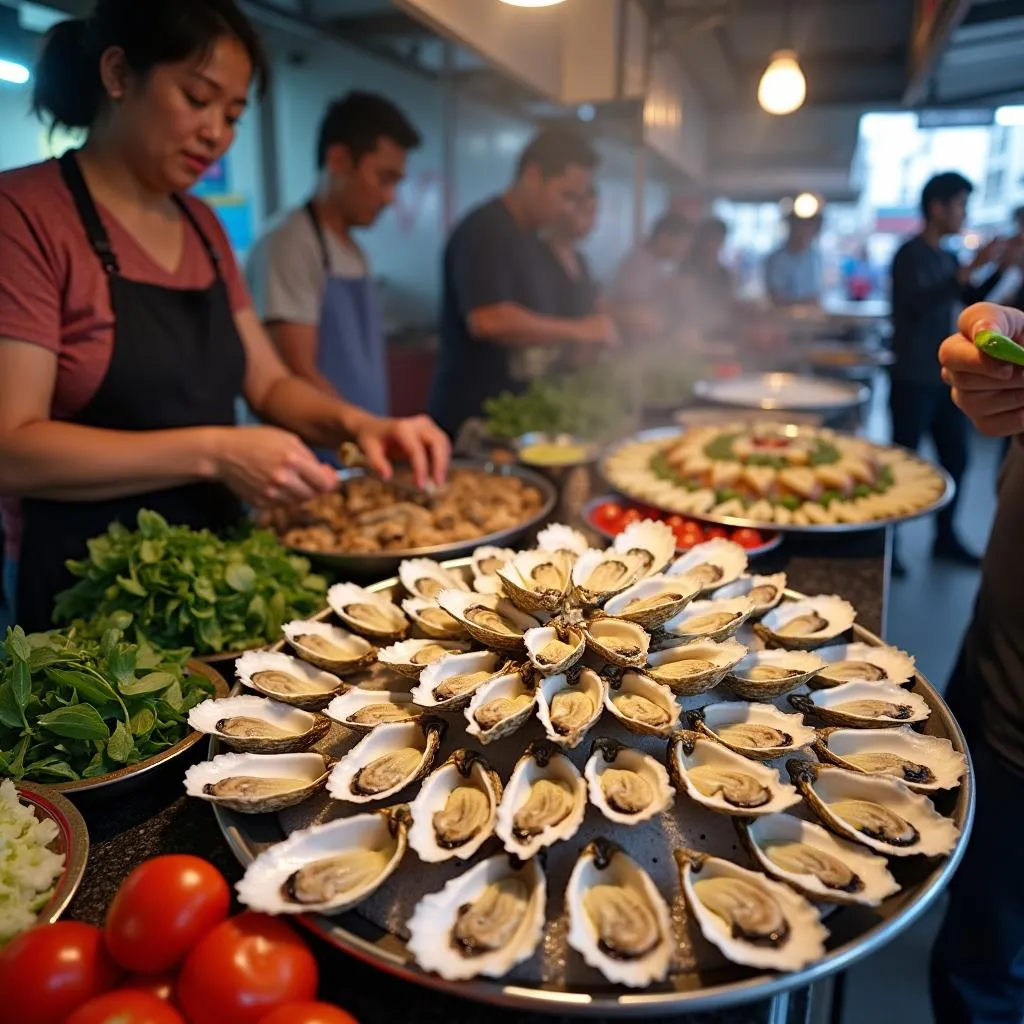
350,353
177,361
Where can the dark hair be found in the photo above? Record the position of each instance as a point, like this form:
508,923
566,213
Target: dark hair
68,90
358,121
553,150
943,188
709,228
671,224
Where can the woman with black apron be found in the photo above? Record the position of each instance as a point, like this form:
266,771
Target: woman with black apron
126,333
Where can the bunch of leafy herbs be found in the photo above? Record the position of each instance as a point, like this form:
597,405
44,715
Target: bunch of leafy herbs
171,587
74,708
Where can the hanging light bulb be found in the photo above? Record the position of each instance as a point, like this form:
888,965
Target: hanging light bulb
806,205
783,87
532,3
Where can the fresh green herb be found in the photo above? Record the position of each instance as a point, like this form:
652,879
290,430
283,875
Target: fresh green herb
790,501
823,454
169,587
827,497
884,480
90,706
861,491
719,448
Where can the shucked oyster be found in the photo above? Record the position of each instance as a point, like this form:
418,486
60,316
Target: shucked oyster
483,922
329,647
863,705
423,577
764,592
617,641
650,542
711,565
451,682
765,675
642,705
807,624
569,704
625,785
251,724
257,783
489,619
760,731
501,705
369,614
554,648
536,580
287,679
710,621
693,668
598,576
653,601
847,663
366,709
411,657
432,620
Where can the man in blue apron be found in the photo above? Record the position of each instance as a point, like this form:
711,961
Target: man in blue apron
311,282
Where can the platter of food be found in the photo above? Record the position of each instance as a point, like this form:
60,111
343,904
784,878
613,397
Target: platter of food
368,527
783,392
601,782
776,476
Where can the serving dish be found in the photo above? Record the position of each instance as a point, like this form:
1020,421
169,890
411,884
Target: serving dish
783,392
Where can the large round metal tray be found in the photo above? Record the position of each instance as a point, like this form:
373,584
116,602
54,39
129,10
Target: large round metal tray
783,392
856,932
365,565
666,433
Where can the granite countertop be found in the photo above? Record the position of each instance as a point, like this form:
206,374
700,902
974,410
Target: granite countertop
159,820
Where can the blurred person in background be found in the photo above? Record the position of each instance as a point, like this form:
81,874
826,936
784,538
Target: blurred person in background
501,317
312,284
579,292
976,975
709,287
860,275
647,285
793,273
929,290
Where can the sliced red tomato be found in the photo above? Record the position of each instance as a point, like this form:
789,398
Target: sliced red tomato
163,908
126,1007
308,1013
748,538
608,516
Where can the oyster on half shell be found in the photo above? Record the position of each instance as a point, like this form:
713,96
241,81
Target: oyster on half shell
450,682
257,783
627,786
598,576
488,618
569,704
807,624
764,592
847,663
653,601
364,710
411,657
368,614
650,541
287,679
710,621
425,578
432,620
861,705
256,725
765,675
760,731
693,668
536,580
554,648
643,705
617,641
711,565
329,647
502,705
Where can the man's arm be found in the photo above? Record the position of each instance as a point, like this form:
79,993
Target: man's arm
508,323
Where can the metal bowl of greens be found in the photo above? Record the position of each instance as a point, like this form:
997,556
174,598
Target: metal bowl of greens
83,715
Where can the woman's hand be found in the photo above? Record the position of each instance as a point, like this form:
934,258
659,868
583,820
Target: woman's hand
267,467
989,391
416,438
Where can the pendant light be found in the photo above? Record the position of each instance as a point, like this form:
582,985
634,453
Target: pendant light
783,88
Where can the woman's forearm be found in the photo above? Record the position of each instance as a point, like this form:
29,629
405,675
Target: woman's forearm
320,420
65,461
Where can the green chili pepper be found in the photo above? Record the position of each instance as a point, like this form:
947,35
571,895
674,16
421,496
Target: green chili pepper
998,346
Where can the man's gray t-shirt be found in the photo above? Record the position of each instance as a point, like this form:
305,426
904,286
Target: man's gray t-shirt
286,272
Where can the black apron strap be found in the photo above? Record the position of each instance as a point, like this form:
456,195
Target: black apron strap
98,237
315,221
210,248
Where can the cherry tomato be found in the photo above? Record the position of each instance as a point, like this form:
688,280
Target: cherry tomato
689,534
649,512
126,1007
748,538
716,531
631,515
244,968
163,908
676,521
159,985
51,969
308,1013
608,516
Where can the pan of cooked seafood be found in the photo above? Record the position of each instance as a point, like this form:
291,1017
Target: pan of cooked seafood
368,526
610,783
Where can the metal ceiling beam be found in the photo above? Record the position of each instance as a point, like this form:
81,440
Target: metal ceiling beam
926,48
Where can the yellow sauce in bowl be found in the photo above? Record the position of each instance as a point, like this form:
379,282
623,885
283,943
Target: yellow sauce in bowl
551,454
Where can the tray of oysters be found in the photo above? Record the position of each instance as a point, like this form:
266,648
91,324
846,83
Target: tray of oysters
603,782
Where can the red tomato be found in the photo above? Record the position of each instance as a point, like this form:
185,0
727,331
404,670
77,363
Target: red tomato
748,538
243,969
676,521
308,1013
689,534
125,1007
716,531
159,985
649,512
608,516
631,515
51,969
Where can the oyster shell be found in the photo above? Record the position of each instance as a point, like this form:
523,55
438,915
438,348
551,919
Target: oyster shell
364,710
807,624
367,613
257,783
760,731
710,620
256,725
558,537
488,618
764,675
652,602
536,580
693,668
627,786
386,761
618,921
425,578
329,647
598,576
925,763
450,683
617,641
874,810
544,802
456,808
711,565
483,922
486,563
432,620
411,657
500,707
724,781
568,705
751,919
287,680
863,705
764,592
846,663
327,868
554,648
815,863
650,541
640,703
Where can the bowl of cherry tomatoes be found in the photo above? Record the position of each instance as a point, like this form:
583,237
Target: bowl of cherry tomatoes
609,515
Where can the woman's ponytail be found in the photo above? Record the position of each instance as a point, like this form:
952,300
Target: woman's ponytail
68,90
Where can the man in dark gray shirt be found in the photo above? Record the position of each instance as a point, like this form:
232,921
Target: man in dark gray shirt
978,961
929,289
